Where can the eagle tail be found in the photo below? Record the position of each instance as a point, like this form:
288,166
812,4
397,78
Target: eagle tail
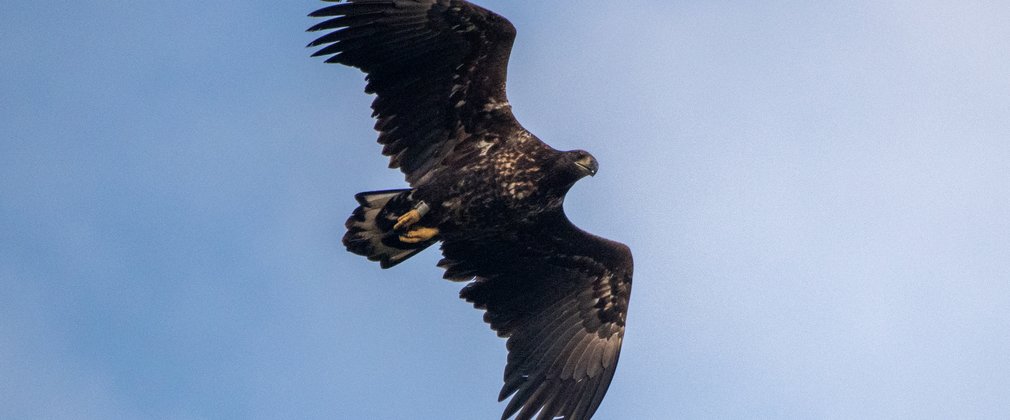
370,229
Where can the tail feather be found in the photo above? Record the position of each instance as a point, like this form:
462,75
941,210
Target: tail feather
370,228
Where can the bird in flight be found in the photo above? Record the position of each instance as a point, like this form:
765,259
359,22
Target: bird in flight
489,190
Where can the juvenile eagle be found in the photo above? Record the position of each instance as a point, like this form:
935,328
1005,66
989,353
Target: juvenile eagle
489,190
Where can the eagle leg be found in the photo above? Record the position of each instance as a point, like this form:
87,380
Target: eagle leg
417,235
413,216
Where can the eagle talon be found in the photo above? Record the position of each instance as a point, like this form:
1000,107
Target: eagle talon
420,234
413,216
407,220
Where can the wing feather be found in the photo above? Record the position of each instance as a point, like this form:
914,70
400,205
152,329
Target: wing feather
434,65
560,296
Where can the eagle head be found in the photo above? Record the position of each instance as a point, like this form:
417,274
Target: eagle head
574,165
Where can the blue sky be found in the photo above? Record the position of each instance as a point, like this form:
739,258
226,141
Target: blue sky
817,195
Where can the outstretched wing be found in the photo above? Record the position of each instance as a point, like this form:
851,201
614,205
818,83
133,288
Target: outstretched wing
438,68
560,295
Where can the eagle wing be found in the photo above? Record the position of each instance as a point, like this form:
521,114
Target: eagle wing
560,295
437,67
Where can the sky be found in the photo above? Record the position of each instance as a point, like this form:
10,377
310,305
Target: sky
817,196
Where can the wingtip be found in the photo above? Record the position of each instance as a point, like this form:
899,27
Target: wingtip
315,43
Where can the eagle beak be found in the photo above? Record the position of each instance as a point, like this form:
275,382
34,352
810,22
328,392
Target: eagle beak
588,165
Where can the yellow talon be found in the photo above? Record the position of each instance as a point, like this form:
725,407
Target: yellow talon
407,219
420,234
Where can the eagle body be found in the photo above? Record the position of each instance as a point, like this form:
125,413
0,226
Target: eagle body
489,191
497,185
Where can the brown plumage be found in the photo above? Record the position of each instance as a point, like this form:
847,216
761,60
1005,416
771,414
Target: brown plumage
489,191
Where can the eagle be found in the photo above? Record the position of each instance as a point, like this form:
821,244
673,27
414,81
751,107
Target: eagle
489,190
